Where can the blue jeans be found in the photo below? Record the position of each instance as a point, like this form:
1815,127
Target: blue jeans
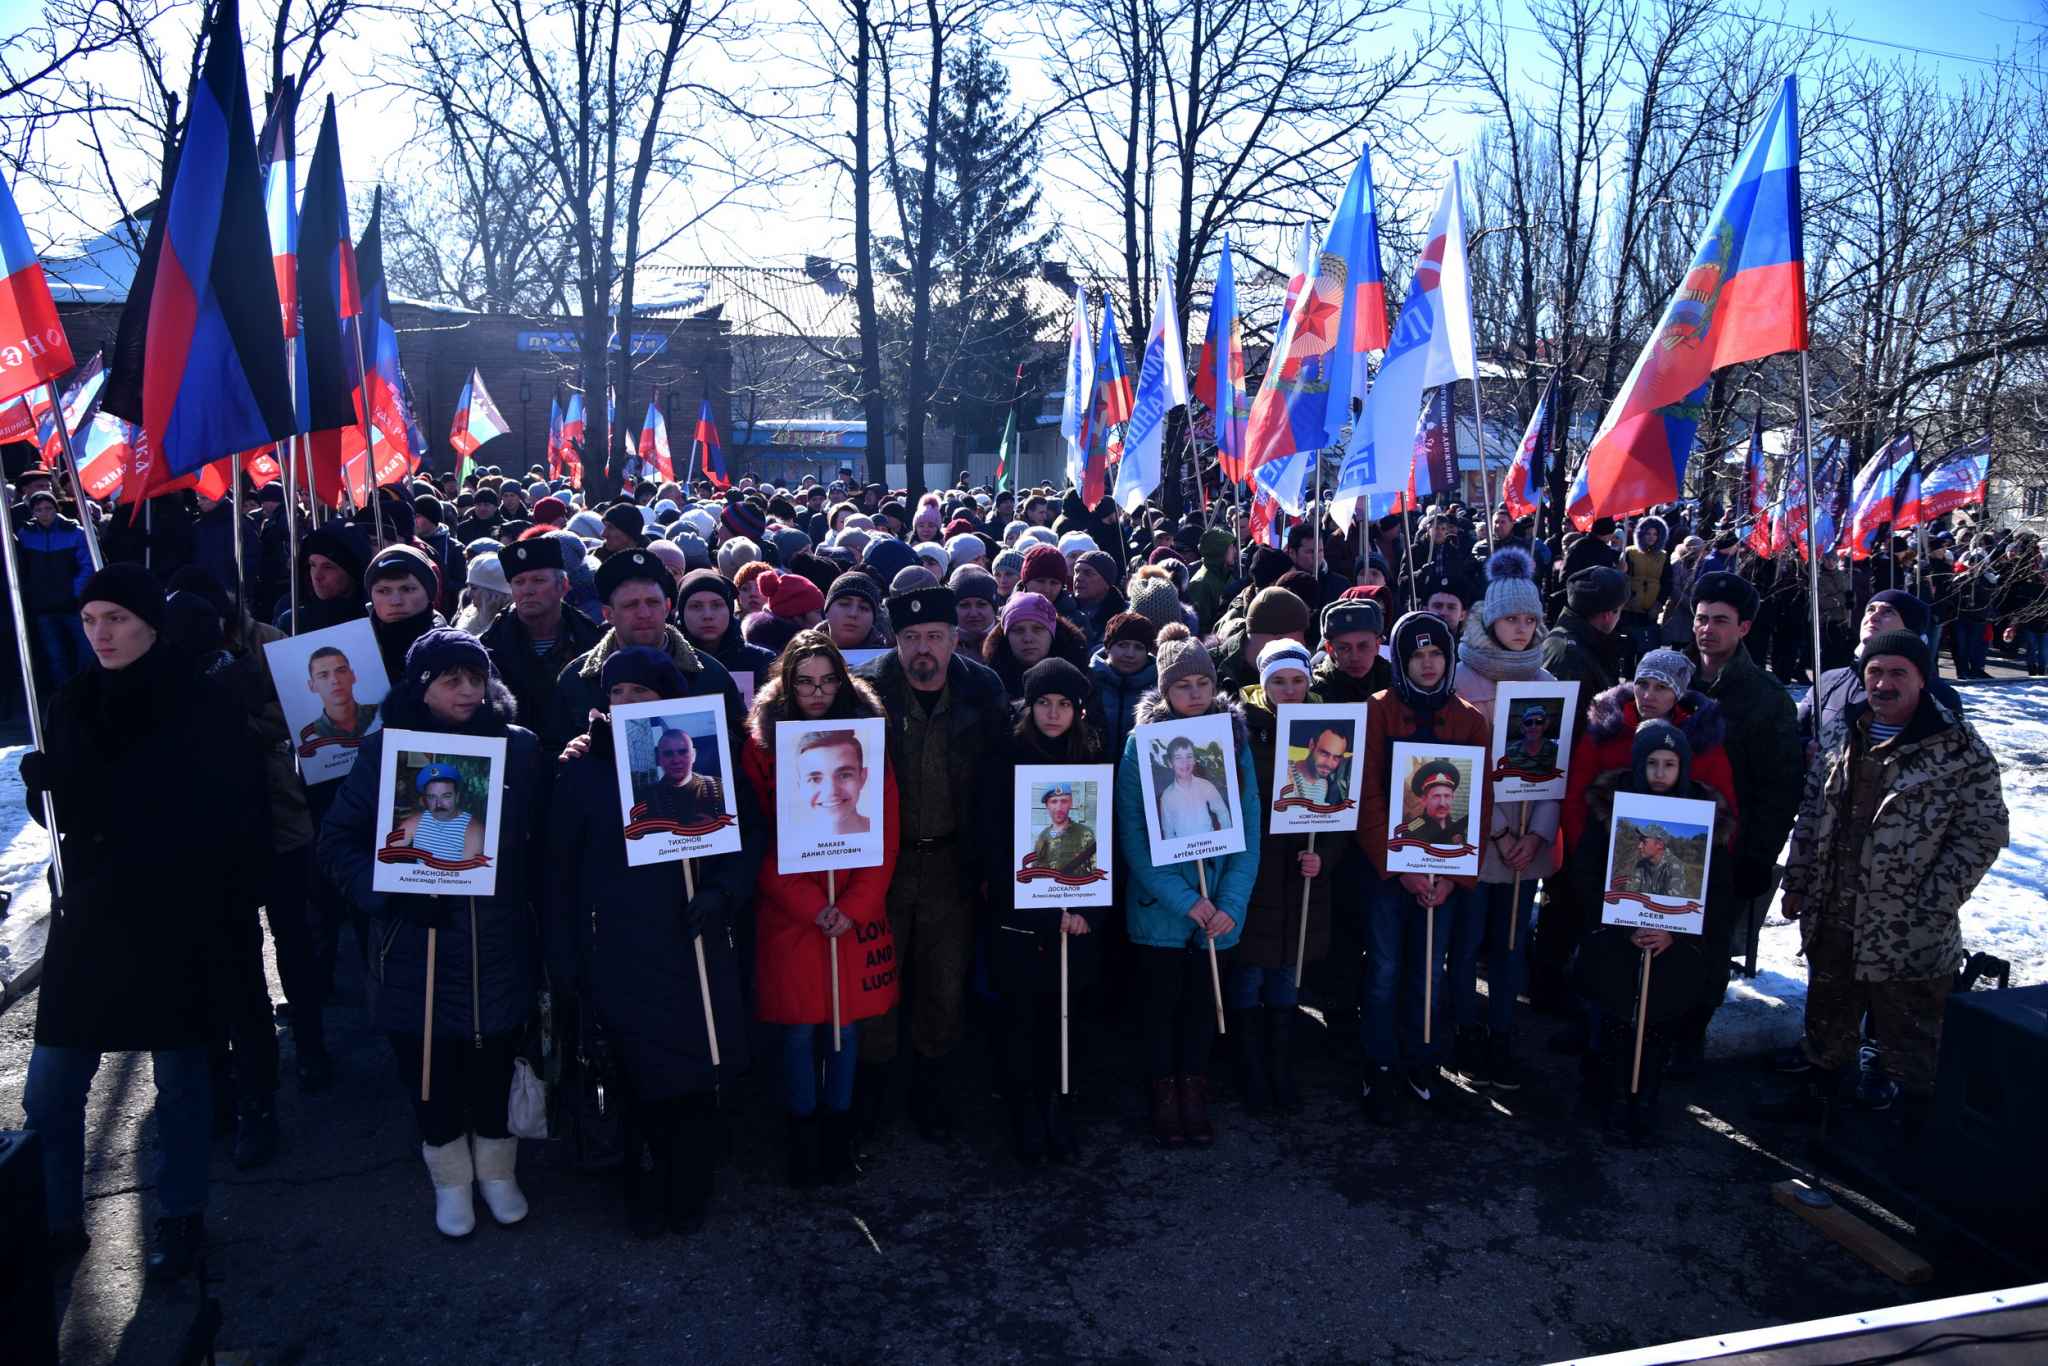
2033,647
1482,925
801,1047
58,1080
1248,987
1971,647
60,641
1397,930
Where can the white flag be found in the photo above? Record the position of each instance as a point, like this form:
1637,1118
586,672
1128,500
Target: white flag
1431,345
1162,387
1076,411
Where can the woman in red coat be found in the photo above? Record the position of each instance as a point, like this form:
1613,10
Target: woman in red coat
1660,691
797,918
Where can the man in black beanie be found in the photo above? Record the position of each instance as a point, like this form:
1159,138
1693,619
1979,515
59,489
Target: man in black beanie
1894,609
1583,645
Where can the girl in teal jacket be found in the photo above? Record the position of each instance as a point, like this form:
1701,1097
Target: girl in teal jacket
1171,923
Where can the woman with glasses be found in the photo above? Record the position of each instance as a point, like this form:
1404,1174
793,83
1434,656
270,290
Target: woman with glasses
798,915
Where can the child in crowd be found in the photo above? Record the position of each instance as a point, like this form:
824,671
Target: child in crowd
1123,671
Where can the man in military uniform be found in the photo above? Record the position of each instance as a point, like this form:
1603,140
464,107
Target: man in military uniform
331,678
1065,845
1536,752
680,794
1655,875
1436,782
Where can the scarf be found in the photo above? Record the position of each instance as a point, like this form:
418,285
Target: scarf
1490,659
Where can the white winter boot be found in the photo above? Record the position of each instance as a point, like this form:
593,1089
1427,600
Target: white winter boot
495,1160
450,1167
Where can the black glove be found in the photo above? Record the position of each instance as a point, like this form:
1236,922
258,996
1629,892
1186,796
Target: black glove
35,776
706,913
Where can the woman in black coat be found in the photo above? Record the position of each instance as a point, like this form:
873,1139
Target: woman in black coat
1024,952
622,941
484,955
165,839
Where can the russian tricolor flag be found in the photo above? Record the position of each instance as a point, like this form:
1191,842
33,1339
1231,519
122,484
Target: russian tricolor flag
710,455
654,450
33,348
277,155
477,419
1521,493
1113,398
1219,376
199,367
571,446
1743,298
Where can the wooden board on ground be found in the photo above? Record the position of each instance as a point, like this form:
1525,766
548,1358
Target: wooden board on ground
1877,1248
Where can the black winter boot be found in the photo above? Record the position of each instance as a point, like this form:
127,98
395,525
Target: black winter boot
256,1133
1280,1035
693,1144
836,1165
179,1241
803,1151
1249,1025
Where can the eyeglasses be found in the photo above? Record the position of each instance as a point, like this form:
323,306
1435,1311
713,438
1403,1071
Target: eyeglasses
813,687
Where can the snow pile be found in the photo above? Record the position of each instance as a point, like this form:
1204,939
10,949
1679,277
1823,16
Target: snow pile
2004,917
24,853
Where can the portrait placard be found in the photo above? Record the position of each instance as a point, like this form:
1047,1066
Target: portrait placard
442,799
744,680
1062,837
1532,739
331,685
1657,858
1188,768
1433,807
829,793
1316,766
676,793
855,658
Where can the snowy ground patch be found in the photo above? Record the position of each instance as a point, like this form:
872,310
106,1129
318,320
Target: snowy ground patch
24,854
2005,917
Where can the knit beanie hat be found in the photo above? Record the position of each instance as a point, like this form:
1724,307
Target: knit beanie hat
627,518
1668,667
1902,643
399,562
1275,611
1055,675
130,587
912,577
1077,543
1595,590
643,664
793,596
705,581
444,648
1181,655
1044,562
1510,586
1130,626
486,571
1030,607
1008,562
1411,632
1911,610
854,584
1155,600
1215,546
972,581
1280,655
1268,565
885,555
934,555
1652,736
744,519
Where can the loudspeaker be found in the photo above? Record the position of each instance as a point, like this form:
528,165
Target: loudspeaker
1980,1158
28,1308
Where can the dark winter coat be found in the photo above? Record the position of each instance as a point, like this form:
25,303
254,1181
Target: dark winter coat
1024,945
530,676
1068,643
738,657
1574,650
978,718
1841,689
55,565
621,939
1769,758
213,544
1273,929
1332,684
577,690
1116,698
166,846
1606,744
495,932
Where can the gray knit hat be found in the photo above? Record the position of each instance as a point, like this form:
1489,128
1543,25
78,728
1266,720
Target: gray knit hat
1180,655
1510,586
1155,600
1668,667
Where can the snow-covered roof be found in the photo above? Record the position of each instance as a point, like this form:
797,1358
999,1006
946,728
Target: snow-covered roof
101,270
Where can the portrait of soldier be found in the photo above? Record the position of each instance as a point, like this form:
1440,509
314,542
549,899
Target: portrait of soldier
332,679
831,774
1323,774
1654,874
1065,845
440,826
1436,783
1534,750
680,793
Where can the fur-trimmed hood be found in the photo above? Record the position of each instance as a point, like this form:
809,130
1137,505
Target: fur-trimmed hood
768,709
1663,534
1152,707
1698,717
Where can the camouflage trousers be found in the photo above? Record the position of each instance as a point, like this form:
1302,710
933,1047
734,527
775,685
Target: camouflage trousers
933,926
1905,1015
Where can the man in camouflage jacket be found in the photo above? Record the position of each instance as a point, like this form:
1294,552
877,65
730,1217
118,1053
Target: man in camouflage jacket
1902,817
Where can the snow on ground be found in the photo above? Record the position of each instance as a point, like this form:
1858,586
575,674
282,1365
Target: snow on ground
2006,917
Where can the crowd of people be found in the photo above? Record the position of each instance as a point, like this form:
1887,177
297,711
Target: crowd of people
993,629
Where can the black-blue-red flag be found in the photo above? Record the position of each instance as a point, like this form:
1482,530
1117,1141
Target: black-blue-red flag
328,301
199,364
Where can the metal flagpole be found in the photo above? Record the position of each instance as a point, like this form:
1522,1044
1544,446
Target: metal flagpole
235,511
28,680
85,518
289,449
1812,532
1479,435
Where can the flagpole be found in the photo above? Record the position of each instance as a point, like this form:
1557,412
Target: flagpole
28,681
369,443
1479,435
1812,533
235,511
290,449
85,518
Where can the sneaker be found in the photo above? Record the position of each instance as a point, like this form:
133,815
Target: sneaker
1875,1091
1503,1072
1420,1080
1471,1056
1377,1096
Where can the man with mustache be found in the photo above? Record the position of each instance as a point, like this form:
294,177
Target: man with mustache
441,827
